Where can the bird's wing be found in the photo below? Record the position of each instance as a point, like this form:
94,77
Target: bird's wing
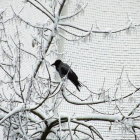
71,75
67,70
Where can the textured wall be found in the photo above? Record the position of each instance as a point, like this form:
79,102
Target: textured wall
105,55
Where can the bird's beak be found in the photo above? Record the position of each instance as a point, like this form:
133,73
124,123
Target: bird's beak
52,64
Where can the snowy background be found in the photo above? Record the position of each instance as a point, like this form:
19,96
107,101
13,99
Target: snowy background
104,56
101,58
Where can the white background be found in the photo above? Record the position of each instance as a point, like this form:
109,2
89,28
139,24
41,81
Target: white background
104,56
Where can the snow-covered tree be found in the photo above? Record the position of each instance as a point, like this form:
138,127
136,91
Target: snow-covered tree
30,93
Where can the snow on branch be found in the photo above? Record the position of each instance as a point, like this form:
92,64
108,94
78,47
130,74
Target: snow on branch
106,31
30,104
16,110
97,102
40,9
74,14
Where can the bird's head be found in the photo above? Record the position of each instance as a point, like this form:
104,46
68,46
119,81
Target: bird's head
56,63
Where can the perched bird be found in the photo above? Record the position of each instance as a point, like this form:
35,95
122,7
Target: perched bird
64,69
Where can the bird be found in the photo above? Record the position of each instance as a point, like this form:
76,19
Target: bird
65,70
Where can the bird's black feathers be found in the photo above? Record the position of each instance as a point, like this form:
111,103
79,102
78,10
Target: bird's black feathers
64,69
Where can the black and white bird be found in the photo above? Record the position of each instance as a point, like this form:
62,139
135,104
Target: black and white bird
64,69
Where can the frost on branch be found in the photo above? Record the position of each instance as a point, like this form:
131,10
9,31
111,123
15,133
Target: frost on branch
31,97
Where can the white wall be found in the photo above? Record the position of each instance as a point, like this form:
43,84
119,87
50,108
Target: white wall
104,56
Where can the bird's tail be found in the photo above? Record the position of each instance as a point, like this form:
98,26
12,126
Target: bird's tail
78,85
